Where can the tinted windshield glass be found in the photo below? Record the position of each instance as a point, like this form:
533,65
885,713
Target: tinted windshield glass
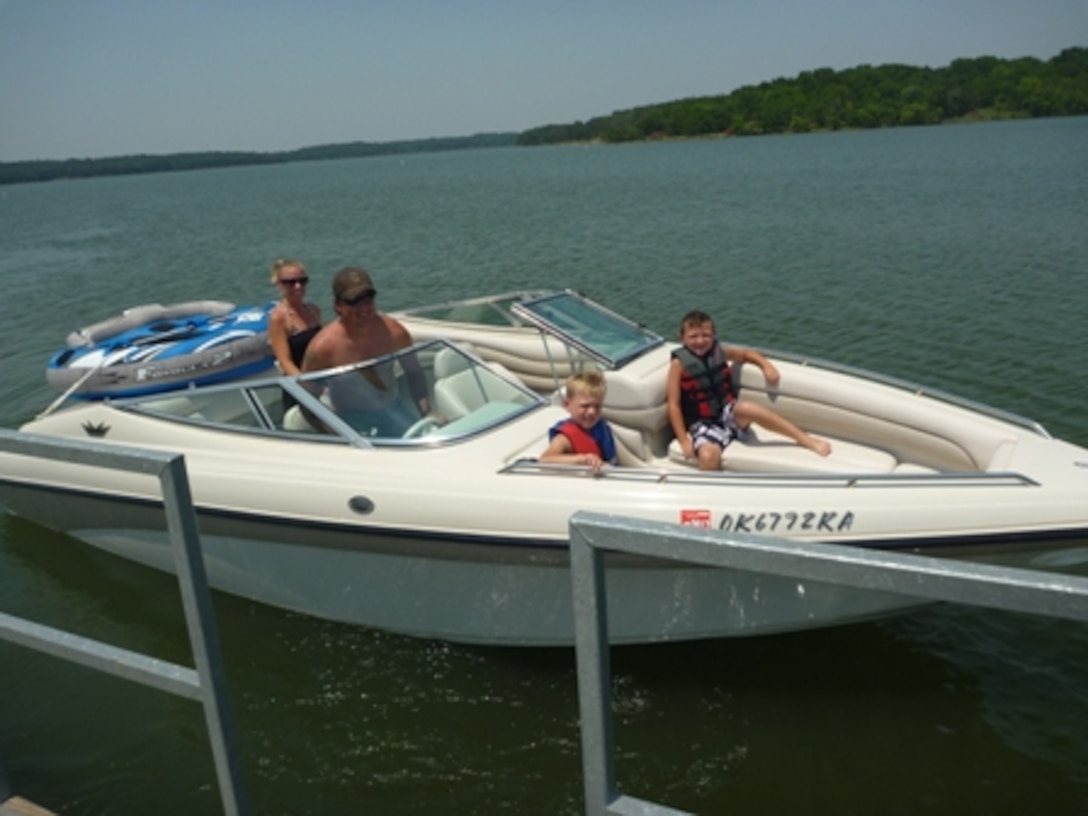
607,337
489,311
432,390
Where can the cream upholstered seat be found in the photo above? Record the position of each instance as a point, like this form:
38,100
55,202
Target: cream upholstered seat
457,390
763,451
295,420
461,387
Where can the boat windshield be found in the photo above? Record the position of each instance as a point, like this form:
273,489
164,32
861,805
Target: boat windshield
579,323
378,401
493,310
607,337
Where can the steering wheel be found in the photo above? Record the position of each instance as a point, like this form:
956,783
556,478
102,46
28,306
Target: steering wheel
422,427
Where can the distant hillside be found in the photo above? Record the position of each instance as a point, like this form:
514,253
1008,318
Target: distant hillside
15,172
861,97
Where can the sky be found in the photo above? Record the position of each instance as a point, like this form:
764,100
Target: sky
97,78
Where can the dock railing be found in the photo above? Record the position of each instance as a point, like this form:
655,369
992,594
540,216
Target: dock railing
207,683
593,534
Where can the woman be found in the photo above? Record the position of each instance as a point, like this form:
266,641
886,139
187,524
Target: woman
293,321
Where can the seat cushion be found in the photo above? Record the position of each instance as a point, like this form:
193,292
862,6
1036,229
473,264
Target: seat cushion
762,451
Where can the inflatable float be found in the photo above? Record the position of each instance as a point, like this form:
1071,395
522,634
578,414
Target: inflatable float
152,348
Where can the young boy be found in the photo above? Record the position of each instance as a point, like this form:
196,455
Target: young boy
584,438
703,409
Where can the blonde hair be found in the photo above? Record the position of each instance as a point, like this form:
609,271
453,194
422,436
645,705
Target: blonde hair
591,382
281,264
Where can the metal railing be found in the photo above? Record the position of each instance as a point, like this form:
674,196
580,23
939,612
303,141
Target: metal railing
689,475
591,534
207,683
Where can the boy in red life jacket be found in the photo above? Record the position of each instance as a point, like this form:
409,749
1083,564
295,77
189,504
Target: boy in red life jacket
584,438
704,411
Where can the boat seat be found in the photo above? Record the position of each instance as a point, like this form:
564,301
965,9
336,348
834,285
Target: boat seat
763,451
631,447
294,420
448,362
459,389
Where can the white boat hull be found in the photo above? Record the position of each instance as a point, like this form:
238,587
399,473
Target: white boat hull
487,589
518,600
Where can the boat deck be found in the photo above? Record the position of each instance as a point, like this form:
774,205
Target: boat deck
17,806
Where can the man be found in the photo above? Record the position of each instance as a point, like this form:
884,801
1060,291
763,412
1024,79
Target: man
361,332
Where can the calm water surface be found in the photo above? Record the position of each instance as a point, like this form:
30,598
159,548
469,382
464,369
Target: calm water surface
953,256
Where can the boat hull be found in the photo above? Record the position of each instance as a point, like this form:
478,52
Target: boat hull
482,591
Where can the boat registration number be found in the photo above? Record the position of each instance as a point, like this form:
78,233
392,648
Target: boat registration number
827,521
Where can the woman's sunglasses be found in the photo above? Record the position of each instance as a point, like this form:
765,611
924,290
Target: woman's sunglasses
294,281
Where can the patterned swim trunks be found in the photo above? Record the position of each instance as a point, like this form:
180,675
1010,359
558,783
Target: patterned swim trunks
719,433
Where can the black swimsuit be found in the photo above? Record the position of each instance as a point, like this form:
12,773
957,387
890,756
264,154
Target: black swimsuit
298,341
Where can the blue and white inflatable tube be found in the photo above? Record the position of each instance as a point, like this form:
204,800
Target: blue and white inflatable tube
153,348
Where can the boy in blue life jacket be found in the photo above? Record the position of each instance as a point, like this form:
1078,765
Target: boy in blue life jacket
584,438
704,411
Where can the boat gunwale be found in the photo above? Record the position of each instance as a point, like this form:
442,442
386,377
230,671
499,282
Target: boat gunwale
974,543
691,475
917,389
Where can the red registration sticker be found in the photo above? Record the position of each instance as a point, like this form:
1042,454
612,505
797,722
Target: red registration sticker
695,518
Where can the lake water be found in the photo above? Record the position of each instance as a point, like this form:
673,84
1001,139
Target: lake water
953,256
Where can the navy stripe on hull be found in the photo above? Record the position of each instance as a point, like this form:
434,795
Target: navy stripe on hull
85,509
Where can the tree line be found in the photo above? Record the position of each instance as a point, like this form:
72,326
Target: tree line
862,97
25,171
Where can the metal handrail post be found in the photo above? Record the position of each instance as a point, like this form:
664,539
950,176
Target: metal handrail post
592,535
590,591
594,671
207,684
203,635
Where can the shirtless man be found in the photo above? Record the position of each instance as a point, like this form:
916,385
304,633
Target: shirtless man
361,332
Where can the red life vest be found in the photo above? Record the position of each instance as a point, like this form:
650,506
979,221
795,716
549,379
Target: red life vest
579,438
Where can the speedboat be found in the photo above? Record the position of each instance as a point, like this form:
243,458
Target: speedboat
330,494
